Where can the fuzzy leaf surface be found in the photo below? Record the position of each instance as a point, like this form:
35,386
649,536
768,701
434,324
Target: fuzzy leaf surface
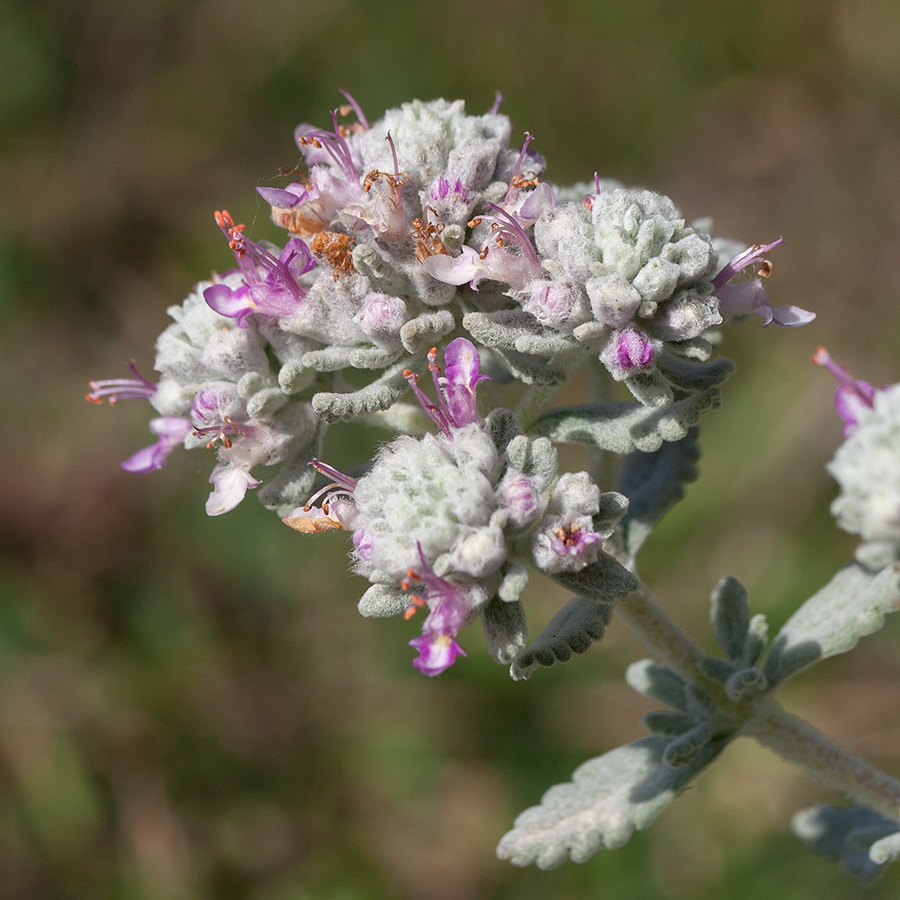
608,799
730,615
623,427
374,397
515,329
654,483
694,376
605,580
852,605
504,628
572,630
860,840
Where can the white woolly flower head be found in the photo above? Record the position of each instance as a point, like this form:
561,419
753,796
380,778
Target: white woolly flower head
867,468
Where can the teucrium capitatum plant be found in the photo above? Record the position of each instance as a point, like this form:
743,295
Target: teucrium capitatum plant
424,242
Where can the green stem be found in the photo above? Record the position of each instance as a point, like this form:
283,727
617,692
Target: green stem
798,742
763,719
668,643
537,396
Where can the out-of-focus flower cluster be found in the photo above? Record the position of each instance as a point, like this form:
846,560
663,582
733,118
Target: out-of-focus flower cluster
866,464
425,228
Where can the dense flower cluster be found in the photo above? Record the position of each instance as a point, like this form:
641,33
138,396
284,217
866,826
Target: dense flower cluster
865,465
461,512
427,228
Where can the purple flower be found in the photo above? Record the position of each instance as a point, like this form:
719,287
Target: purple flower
449,609
230,484
633,349
171,431
116,389
495,263
851,397
320,146
285,198
437,652
442,189
573,538
554,303
750,297
381,317
456,402
269,285
522,497
210,417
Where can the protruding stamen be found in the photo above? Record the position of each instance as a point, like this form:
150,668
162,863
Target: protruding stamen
415,603
116,389
754,254
509,228
356,108
861,389
334,145
345,481
223,431
395,180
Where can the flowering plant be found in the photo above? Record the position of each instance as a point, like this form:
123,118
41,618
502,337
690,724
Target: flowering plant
428,229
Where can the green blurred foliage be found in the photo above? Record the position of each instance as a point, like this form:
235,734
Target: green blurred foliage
191,707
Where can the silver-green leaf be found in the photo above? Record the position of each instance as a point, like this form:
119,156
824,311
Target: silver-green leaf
572,630
623,427
608,799
852,605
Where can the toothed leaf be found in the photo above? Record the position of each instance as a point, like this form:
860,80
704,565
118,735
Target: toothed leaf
860,840
572,630
419,333
852,605
511,329
608,799
654,483
378,395
623,427
694,376
606,580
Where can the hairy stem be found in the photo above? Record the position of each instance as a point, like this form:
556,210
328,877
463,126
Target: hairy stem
535,399
668,643
798,742
763,719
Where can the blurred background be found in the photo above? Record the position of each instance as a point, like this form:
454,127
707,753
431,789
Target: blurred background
192,707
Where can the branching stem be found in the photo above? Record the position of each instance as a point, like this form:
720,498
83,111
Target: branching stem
763,719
